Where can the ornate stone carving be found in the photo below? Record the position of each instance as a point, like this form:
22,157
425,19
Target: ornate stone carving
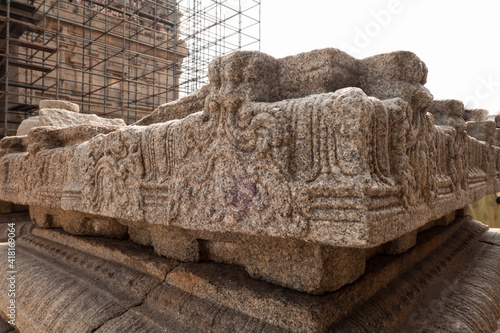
320,149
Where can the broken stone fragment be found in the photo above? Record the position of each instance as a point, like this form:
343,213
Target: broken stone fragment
59,113
475,115
13,144
63,118
448,112
49,137
177,109
27,124
482,130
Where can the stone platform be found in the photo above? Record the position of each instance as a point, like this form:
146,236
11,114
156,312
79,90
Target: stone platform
69,283
312,193
298,169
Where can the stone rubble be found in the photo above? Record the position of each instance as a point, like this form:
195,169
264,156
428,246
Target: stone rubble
56,113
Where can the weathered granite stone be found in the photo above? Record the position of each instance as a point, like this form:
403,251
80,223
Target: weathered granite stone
337,181
475,115
13,144
268,79
482,130
60,113
49,137
32,122
41,147
177,109
93,284
321,152
77,223
63,118
27,124
448,112
9,207
59,104
496,137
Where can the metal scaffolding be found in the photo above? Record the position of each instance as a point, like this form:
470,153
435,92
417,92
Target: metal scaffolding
115,58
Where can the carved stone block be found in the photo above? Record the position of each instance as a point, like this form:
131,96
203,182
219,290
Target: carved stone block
322,152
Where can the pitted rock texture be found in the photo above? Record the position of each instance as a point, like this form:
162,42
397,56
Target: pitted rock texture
448,112
340,168
396,74
320,149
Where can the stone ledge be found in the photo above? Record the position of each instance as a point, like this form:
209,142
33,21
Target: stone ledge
304,266
57,273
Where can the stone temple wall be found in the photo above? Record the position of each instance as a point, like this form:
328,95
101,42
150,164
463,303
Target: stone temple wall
311,193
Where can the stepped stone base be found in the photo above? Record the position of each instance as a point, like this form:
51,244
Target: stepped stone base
299,169
448,282
291,263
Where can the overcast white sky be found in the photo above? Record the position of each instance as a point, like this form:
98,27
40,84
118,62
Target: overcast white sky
458,40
